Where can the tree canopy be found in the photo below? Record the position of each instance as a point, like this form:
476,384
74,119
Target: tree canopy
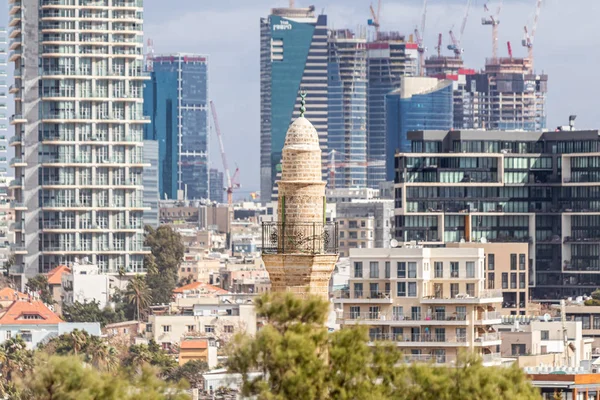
39,284
298,359
163,263
91,311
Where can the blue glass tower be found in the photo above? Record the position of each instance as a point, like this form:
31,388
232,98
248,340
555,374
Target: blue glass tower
293,58
421,104
176,99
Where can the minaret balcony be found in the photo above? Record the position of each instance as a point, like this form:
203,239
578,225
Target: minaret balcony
299,238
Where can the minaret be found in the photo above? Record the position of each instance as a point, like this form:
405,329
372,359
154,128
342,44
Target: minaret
300,249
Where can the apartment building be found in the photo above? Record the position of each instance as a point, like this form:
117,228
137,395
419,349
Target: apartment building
431,302
78,134
507,269
503,186
365,224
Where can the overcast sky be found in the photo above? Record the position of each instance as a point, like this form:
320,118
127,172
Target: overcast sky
567,48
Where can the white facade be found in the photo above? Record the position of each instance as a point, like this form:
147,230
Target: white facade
78,133
34,334
85,284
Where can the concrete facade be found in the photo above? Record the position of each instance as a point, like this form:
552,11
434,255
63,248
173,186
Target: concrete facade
297,249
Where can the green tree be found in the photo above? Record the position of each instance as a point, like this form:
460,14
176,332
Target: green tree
39,284
138,295
9,263
191,372
298,359
163,263
57,377
151,354
90,311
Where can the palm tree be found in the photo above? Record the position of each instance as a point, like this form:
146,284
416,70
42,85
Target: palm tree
138,294
101,355
79,340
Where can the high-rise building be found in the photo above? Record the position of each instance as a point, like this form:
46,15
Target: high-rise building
78,134
300,249
388,59
4,90
538,188
293,58
507,96
216,185
420,103
347,119
150,180
176,99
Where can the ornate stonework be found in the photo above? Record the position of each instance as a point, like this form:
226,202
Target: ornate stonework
302,259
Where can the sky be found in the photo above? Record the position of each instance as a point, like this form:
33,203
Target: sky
566,47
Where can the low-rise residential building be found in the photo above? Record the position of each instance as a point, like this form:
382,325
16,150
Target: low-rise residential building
36,323
9,296
55,285
125,329
568,383
218,317
507,268
85,284
194,349
589,316
197,268
431,302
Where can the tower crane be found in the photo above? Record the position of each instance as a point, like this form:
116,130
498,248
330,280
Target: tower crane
528,39
419,32
494,21
374,21
510,54
232,181
439,45
455,45
333,164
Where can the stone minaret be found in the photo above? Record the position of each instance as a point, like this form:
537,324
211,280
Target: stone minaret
300,249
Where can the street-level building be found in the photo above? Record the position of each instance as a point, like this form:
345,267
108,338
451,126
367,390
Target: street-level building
503,186
430,302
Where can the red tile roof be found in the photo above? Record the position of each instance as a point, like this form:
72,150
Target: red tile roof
55,275
29,313
8,294
200,287
194,344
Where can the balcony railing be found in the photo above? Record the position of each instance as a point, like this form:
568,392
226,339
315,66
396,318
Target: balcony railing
483,294
307,238
378,316
488,337
417,338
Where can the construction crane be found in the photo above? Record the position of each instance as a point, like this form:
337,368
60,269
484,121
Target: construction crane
510,54
528,39
292,3
419,33
232,181
439,45
494,21
333,165
455,43
374,21
149,55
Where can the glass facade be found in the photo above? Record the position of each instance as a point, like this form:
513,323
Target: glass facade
425,104
506,187
293,58
176,99
216,185
347,106
150,180
4,90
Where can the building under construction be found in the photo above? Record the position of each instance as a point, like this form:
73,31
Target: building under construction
347,106
389,58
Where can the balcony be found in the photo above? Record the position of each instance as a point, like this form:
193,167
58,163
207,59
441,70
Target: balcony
128,3
18,249
14,31
17,139
484,296
489,317
420,339
368,318
18,206
17,119
15,44
488,339
17,162
491,359
308,238
15,183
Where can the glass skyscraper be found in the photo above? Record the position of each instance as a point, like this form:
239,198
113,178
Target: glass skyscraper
176,99
78,134
4,90
347,119
293,57
421,104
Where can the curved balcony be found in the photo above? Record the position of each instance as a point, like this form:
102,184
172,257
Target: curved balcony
307,238
15,55
17,162
17,119
16,140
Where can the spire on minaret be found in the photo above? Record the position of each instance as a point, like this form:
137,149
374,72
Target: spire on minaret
302,103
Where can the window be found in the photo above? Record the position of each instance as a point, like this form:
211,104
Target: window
453,290
401,289
354,312
453,269
374,269
461,314
412,270
518,349
490,280
387,269
358,290
491,259
358,269
470,269
505,280
513,280
398,313
8,335
438,267
522,262
522,280
513,262
166,328
471,289
401,270
461,334
228,329
209,328
440,334
412,289
545,335
191,328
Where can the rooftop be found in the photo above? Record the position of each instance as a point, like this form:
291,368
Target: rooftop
200,287
55,275
8,294
23,312
194,344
